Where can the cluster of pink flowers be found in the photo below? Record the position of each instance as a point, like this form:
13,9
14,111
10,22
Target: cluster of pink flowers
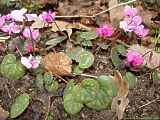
31,62
8,24
135,59
105,31
132,22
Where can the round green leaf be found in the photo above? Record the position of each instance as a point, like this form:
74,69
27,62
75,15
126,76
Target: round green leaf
100,102
74,53
12,69
19,106
48,78
86,59
121,49
70,105
107,85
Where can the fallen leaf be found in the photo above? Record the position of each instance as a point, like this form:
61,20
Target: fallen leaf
120,102
58,63
3,114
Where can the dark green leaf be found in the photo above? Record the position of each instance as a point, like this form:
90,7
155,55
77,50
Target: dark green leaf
121,49
77,70
115,57
11,68
88,35
19,106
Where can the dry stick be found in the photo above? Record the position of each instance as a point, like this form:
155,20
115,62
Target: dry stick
92,16
149,103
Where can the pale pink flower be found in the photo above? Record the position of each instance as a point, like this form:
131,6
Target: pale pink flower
18,15
130,11
31,17
135,59
31,62
130,24
2,21
31,33
141,31
47,17
105,31
11,28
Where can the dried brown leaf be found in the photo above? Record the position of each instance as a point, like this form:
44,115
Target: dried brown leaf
58,63
3,114
122,84
120,102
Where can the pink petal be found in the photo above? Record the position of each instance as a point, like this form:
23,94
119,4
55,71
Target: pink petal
26,62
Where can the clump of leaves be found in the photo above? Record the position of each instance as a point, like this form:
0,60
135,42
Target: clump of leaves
11,68
84,58
85,38
19,106
47,82
95,94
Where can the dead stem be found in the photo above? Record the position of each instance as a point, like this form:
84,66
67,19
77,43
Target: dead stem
95,15
149,103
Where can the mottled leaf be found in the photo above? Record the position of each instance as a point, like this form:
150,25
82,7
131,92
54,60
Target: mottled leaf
19,106
115,57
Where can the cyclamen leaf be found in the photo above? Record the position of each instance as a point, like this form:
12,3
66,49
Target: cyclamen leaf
53,87
74,53
19,106
107,85
115,57
121,49
89,35
77,70
12,69
86,59
55,41
155,75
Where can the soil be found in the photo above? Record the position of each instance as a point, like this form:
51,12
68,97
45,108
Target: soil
146,91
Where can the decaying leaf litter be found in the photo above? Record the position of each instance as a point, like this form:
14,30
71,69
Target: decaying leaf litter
146,90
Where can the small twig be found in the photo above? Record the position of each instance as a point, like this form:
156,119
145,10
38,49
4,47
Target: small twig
87,75
95,15
148,103
62,79
119,41
19,51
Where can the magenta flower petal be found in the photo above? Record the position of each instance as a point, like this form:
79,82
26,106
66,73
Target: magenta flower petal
47,17
2,21
105,31
28,32
134,59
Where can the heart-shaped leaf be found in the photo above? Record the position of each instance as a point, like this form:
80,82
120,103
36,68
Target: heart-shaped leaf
19,106
11,68
121,49
115,57
77,70
86,59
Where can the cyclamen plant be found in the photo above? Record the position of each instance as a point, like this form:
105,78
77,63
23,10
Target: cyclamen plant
8,24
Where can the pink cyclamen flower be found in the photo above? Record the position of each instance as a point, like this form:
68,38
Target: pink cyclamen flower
2,21
31,33
130,11
135,59
31,62
105,31
141,31
11,28
130,24
47,17
29,47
